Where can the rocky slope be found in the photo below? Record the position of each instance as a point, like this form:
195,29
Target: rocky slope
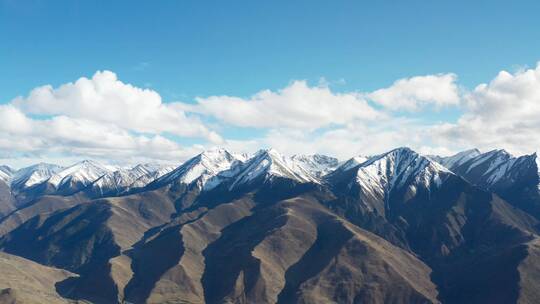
24,281
222,228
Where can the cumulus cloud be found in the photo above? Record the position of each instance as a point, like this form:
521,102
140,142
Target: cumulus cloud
503,113
102,117
63,135
99,117
104,98
412,94
342,142
296,106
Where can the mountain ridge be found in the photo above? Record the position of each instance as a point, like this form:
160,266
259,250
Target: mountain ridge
398,227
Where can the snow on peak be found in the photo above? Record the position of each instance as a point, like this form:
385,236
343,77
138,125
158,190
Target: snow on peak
116,180
316,165
143,169
6,173
33,175
84,172
125,179
489,169
353,162
266,164
458,159
493,165
201,167
154,172
380,174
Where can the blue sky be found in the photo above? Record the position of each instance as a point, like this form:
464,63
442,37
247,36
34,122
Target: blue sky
192,48
185,49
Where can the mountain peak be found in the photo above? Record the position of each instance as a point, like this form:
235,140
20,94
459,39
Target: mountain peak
405,155
83,172
316,165
401,150
201,167
400,167
266,164
269,152
6,173
457,159
33,175
501,152
353,162
496,167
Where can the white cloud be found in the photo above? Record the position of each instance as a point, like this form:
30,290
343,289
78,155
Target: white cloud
103,98
504,113
100,118
342,142
413,93
104,118
296,106
23,137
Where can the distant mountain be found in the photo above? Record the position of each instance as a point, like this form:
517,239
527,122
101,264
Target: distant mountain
198,169
397,227
153,172
123,180
457,159
7,200
516,179
268,164
33,175
316,165
6,173
419,205
8,203
77,176
351,163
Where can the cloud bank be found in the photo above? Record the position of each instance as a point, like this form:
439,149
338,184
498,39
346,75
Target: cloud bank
103,117
411,94
295,106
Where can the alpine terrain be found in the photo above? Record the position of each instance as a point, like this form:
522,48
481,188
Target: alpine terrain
224,227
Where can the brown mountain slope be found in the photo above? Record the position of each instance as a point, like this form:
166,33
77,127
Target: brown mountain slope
24,281
291,251
529,274
43,205
400,230
88,239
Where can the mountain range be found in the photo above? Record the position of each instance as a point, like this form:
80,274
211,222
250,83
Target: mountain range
224,227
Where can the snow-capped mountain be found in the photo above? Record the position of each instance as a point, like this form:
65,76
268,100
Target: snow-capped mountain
265,165
399,218
78,176
516,179
351,163
200,168
33,175
122,180
490,168
316,165
493,170
6,173
457,159
397,167
114,182
398,170
153,172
